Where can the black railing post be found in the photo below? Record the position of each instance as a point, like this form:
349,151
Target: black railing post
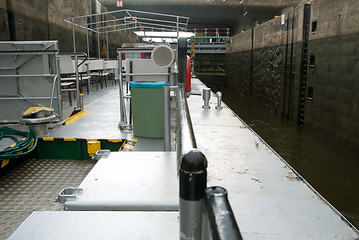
193,182
221,221
182,59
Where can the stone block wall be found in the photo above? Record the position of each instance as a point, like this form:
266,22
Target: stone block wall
333,109
261,62
268,75
264,63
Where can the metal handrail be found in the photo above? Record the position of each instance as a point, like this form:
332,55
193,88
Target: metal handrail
218,213
192,171
125,121
192,164
76,55
48,49
179,23
186,139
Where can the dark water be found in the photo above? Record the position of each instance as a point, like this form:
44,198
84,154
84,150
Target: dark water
333,172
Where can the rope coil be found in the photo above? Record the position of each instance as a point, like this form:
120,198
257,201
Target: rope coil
21,147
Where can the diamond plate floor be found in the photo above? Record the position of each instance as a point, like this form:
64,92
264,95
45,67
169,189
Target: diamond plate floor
34,185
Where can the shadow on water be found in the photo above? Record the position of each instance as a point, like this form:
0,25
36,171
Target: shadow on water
333,172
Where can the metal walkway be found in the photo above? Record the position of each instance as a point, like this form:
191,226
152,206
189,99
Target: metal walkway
33,186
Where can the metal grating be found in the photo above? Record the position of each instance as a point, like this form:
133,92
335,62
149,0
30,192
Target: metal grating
34,185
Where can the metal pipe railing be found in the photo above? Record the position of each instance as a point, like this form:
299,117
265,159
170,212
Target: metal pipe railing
123,115
185,136
120,206
166,119
45,50
219,222
76,56
217,214
191,163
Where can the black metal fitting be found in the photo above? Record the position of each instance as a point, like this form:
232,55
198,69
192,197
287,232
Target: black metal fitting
193,175
193,182
222,223
182,59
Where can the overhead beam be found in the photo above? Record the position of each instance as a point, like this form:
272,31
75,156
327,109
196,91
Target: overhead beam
212,13
228,3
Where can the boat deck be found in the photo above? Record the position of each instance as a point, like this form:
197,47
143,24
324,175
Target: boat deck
33,186
269,199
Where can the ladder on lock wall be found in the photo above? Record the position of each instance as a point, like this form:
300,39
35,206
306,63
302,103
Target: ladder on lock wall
304,66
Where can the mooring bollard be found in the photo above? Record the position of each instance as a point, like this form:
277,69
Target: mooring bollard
206,96
81,99
193,181
219,100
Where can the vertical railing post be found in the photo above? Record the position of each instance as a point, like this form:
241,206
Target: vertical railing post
117,78
76,63
57,72
81,100
87,41
77,81
123,117
98,45
166,119
182,60
107,50
193,181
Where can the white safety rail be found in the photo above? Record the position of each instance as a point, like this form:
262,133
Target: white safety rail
110,66
137,69
29,76
122,20
74,74
96,69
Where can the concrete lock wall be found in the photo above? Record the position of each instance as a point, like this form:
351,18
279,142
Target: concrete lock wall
44,20
4,27
265,62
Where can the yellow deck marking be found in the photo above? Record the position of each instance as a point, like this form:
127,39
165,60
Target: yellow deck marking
49,139
37,109
129,144
76,117
91,140
129,147
69,140
114,140
4,163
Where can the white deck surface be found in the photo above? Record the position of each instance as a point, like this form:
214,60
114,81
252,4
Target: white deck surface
133,177
99,225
